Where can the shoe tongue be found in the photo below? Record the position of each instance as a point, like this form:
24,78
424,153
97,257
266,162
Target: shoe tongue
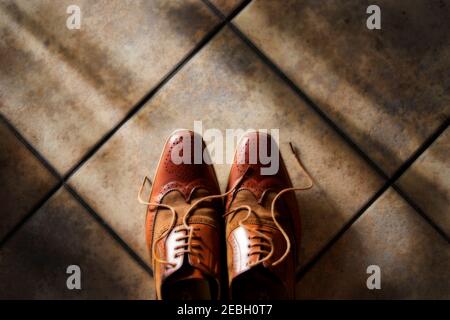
175,199
245,197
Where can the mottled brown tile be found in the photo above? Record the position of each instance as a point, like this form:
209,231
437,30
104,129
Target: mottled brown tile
388,89
226,6
427,182
24,181
33,263
64,89
413,258
227,86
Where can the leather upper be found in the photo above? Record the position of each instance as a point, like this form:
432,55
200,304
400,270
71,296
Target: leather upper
257,191
179,185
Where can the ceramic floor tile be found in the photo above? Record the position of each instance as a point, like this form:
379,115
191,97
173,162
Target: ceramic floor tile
24,180
64,89
226,6
388,89
413,258
226,86
427,181
33,263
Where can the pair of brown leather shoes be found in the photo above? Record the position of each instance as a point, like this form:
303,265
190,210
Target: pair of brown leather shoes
186,217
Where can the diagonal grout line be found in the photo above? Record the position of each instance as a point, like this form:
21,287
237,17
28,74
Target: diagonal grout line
36,153
422,213
63,179
109,229
307,100
399,171
141,103
219,13
46,165
300,273
390,181
32,211
409,162
153,91
52,191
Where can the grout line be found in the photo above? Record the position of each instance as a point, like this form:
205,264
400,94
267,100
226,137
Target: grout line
399,171
422,213
63,179
277,70
234,12
32,211
46,165
148,96
215,10
307,100
421,149
340,233
109,229
36,153
206,39
61,183
389,183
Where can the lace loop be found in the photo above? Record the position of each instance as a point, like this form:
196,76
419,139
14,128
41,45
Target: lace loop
265,241
259,232
187,247
307,187
172,224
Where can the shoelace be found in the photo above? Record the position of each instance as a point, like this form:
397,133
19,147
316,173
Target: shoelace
260,233
187,246
190,235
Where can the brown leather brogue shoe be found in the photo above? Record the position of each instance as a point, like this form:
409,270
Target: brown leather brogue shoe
262,224
183,223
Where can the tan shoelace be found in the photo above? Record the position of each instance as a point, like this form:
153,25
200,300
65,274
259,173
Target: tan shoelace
260,233
187,246
190,235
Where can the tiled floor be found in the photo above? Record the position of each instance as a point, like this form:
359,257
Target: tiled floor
33,264
84,114
388,89
413,258
75,86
